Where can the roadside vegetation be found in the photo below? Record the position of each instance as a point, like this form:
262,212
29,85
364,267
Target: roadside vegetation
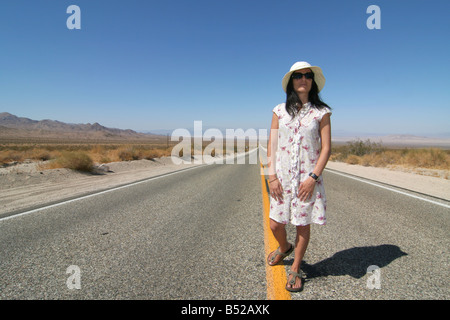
83,156
80,157
368,153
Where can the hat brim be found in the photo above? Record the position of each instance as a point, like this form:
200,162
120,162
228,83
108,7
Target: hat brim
318,77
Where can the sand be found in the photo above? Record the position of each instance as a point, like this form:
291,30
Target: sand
27,185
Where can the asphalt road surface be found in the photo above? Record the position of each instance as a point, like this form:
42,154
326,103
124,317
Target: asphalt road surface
198,234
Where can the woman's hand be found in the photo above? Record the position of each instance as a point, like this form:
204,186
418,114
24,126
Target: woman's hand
276,190
306,189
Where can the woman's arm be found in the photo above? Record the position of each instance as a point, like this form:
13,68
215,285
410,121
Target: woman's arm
276,191
325,137
306,187
273,145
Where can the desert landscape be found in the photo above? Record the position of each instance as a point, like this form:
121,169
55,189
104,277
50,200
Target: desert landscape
46,161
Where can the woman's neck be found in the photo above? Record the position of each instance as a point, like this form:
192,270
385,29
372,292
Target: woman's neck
303,97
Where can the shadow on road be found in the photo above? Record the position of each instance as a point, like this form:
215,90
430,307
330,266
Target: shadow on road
353,262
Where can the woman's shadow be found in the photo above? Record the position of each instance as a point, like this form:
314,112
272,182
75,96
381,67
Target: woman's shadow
353,262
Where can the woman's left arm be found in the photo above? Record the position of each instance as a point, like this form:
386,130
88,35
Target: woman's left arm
306,188
325,137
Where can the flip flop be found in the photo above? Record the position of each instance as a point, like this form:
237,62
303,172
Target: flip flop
277,252
292,281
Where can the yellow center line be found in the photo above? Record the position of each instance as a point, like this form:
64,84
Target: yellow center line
275,276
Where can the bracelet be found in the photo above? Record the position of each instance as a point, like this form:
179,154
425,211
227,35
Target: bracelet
273,180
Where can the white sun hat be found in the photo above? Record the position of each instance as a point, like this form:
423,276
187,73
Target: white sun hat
318,75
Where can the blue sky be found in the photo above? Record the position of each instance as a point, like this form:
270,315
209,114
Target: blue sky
148,65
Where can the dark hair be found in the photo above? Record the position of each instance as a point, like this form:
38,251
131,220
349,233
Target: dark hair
293,101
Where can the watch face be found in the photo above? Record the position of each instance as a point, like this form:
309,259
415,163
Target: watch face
313,175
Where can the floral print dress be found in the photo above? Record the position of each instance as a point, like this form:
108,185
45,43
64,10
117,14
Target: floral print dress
298,150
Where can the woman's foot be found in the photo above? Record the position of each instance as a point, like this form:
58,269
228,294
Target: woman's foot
295,281
277,256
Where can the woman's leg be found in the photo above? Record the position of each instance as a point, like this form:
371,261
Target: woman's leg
301,243
279,232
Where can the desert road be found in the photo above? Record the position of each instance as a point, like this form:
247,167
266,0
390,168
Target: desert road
199,234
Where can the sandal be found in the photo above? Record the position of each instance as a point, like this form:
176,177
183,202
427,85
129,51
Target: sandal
292,281
273,254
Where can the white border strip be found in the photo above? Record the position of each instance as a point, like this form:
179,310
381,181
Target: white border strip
390,189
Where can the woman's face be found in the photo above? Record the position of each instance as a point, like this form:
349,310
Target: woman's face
303,85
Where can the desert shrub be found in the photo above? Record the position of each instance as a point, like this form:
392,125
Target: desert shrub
359,148
427,158
154,153
10,156
74,160
381,159
128,153
351,152
352,159
40,154
368,153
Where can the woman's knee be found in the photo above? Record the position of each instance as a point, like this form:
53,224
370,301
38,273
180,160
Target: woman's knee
276,226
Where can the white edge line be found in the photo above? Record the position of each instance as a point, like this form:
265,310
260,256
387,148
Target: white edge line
390,189
99,193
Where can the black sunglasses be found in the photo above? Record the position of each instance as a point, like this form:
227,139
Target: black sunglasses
299,75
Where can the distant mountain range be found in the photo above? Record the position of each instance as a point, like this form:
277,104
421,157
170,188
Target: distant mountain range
14,127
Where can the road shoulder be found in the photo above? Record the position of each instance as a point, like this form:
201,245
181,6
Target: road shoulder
433,186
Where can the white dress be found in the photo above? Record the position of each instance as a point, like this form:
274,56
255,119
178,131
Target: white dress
298,150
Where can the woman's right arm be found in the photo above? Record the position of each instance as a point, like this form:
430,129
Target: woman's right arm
275,188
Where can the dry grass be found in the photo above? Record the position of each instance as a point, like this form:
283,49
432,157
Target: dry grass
83,156
74,160
127,152
20,154
368,153
80,157
71,155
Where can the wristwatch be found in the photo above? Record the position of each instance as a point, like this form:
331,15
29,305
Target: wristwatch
314,176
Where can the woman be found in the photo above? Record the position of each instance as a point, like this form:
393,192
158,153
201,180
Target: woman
298,150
